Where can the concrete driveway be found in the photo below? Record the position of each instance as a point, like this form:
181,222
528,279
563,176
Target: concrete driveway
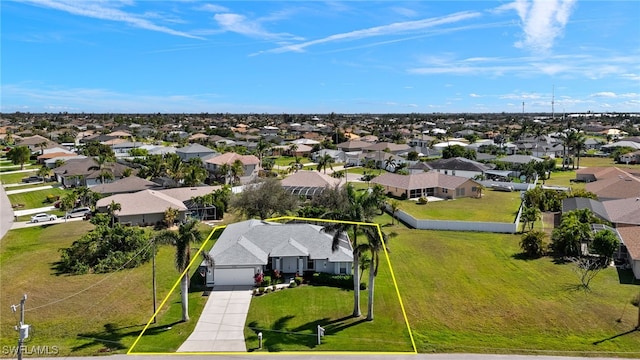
221,325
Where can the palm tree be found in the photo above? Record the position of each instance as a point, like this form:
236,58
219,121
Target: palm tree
174,167
324,161
105,165
579,145
395,206
237,170
194,175
223,172
261,148
374,245
112,208
170,216
359,208
186,236
44,172
390,162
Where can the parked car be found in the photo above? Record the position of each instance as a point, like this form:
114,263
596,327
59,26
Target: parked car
43,217
77,212
31,179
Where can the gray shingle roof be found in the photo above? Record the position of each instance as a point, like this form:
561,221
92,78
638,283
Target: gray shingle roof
251,242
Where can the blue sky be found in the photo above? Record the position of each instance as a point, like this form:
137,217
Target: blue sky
145,56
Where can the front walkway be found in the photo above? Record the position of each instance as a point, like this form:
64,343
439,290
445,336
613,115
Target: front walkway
221,324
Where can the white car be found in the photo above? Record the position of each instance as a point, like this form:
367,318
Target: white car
43,217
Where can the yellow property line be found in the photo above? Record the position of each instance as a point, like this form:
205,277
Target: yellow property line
393,277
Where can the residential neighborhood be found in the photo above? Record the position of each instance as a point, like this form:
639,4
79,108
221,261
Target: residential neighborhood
110,182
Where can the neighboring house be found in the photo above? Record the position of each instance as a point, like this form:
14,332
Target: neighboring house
419,167
254,246
519,159
308,183
459,166
428,184
338,156
146,207
623,212
37,144
195,209
623,143
55,152
125,185
122,149
630,158
194,150
353,145
616,187
578,203
250,164
85,172
598,173
392,148
631,239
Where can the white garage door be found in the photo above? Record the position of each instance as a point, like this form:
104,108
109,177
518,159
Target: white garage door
241,276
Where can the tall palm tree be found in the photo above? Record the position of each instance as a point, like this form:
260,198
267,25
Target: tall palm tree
376,239
359,208
261,148
579,145
105,165
186,236
174,167
324,161
223,172
194,175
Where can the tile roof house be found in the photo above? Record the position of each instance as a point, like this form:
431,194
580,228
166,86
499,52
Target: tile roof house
37,143
254,246
309,182
631,239
146,207
428,184
577,203
621,186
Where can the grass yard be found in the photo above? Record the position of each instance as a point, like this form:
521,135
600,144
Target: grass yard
287,160
293,327
16,177
496,206
81,314
468,292
35,199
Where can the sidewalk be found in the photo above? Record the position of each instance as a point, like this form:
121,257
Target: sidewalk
19,191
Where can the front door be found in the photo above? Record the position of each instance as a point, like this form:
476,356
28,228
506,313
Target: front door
289,265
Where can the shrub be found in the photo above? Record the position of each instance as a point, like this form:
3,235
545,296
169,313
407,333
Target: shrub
266,281
255,292
297,280
293,284
261,290
423,200
267,290
363,286
274,288
403,196
52,198
340,281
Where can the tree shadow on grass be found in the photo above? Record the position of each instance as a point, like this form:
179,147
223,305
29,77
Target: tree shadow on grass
616,336
524,256
306,334
111,338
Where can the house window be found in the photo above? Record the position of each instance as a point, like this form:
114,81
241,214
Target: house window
310,264
445,191
453,172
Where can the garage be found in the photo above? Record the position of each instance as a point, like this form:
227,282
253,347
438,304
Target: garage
233,276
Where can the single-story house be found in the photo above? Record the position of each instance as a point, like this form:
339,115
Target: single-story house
618,187
630,158
623,212
146,207
250,164
250,247
428,184
86,172
125,185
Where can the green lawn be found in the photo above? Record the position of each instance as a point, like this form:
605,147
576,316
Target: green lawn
287,160
496,206
15,178
81,314
469,292
35,199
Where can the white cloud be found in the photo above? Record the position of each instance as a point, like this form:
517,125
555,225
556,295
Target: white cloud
213,8
108,11
383,30
542,21
240,24
607,94
475,95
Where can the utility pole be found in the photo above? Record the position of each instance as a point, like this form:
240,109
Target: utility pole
22,328
553,100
